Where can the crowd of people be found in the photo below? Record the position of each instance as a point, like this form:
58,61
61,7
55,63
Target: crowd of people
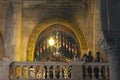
89,58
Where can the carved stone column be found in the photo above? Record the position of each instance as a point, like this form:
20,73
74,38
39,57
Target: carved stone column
17,27
113,57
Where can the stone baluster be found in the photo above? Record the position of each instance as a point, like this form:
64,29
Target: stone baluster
27,72
18,72
11,72
54,74
14,72
100,76
48,72
71,73
86,72
34,67
24,72
41,72
35,71
61,73
66,72
20,77
106,72
92,67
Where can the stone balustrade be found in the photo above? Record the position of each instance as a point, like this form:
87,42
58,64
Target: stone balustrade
96,70
75,70
40,70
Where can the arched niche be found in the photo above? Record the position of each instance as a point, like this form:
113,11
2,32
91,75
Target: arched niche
41,27
65,48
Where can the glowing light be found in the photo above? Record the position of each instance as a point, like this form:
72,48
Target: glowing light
51,42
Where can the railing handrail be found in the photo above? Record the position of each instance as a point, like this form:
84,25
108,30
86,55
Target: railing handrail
61,63
40,63
75,67
96,63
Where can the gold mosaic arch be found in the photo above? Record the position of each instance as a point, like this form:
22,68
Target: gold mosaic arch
35,34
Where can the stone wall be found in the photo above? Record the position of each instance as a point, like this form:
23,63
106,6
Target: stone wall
3,11
88,19
36,14
84,14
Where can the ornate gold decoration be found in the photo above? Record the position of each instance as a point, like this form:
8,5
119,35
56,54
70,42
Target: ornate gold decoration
37,30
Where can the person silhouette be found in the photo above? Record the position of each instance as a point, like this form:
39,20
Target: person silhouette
89,57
